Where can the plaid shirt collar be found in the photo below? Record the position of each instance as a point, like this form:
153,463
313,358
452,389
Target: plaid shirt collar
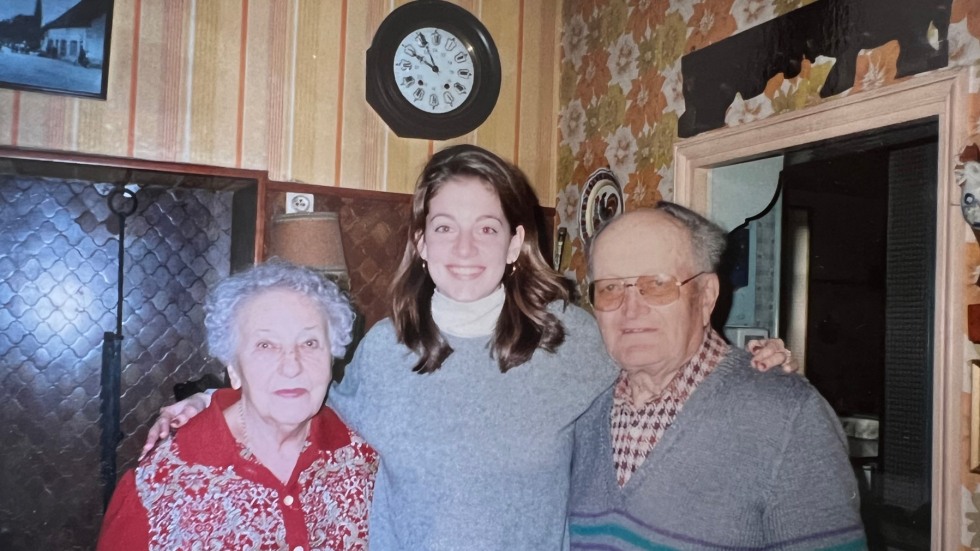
713,348
636,429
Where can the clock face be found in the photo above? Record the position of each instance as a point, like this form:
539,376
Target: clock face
434,70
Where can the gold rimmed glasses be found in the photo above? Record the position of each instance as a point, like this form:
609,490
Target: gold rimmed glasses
607,295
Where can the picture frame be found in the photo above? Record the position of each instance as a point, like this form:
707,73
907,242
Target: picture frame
56,46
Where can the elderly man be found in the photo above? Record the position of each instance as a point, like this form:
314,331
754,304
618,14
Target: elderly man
692,448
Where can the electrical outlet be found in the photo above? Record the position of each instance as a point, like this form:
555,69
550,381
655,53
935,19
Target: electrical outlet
299,202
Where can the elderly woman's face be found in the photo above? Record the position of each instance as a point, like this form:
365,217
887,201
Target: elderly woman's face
282,360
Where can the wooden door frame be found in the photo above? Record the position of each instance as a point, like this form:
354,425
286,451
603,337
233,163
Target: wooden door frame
941,95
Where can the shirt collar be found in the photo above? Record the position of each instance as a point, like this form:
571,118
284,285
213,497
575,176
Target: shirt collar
709,354
327,432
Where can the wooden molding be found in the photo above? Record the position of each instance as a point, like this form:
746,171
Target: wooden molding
294,187
87,159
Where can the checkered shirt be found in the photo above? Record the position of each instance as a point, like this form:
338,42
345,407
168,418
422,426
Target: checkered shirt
637,429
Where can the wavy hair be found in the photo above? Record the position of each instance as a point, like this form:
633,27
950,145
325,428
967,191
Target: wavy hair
525,324
227,297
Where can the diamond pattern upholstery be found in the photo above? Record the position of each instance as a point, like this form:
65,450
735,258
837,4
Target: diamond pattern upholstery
58,269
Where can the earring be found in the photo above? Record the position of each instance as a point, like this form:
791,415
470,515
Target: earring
513,268
425,266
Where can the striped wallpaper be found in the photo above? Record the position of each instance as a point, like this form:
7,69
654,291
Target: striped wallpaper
278,85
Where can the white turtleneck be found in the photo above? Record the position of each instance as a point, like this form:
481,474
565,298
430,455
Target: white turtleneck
468,319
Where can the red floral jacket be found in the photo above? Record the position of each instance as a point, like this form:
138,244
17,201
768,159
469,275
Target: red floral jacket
196,490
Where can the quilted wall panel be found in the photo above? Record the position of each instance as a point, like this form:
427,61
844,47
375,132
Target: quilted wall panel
58,276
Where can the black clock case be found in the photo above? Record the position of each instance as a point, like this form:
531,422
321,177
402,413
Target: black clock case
404,119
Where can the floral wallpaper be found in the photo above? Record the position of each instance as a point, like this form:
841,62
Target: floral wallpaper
620,99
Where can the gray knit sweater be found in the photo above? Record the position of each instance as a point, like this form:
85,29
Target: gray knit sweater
472,458
753,461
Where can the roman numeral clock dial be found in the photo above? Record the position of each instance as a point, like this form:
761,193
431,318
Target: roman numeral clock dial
433,71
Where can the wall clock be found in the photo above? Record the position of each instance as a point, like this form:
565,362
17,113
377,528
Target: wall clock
602,200
433,71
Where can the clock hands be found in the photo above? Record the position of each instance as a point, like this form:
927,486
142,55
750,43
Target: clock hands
411,51
431,65
425,44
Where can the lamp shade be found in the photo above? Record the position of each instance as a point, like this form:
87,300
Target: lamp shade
309,239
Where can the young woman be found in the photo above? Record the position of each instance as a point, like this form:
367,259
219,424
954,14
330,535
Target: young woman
470,390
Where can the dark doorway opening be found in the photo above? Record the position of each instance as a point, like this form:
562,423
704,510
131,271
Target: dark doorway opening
848,241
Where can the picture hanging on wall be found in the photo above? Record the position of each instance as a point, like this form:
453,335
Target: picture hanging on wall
57,46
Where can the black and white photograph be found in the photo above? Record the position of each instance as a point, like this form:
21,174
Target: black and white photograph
57,46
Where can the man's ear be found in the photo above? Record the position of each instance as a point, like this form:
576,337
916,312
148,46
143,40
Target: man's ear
710,287
234,378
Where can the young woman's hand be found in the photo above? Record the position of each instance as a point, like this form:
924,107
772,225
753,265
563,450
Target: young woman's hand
175,416
768,353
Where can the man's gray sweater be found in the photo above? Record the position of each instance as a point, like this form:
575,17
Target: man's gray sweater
753,461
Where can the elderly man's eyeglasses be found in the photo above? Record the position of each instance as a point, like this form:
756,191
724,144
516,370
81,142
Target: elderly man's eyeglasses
607,295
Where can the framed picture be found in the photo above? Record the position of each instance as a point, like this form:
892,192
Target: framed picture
57,46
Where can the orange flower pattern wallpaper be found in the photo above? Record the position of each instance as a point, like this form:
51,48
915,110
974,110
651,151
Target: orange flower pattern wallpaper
620,99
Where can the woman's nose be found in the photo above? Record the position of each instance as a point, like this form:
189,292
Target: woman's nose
290,364
464,245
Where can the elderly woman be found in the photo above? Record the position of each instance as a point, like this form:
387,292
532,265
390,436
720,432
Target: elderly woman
268,467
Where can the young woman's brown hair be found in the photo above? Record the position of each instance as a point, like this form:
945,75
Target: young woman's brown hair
530,284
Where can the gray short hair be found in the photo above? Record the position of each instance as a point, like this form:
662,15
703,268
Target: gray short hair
226,298
708,240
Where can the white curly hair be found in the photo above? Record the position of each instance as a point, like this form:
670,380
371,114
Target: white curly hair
226,298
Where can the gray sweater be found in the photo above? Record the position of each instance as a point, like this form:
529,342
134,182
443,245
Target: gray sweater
472,458
753,461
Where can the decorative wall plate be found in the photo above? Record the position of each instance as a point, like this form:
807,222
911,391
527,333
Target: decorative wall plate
602,200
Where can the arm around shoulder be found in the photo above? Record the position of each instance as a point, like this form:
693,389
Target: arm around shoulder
351,397
583,347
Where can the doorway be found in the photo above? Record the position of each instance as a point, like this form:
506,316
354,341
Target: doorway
842,269
941,96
